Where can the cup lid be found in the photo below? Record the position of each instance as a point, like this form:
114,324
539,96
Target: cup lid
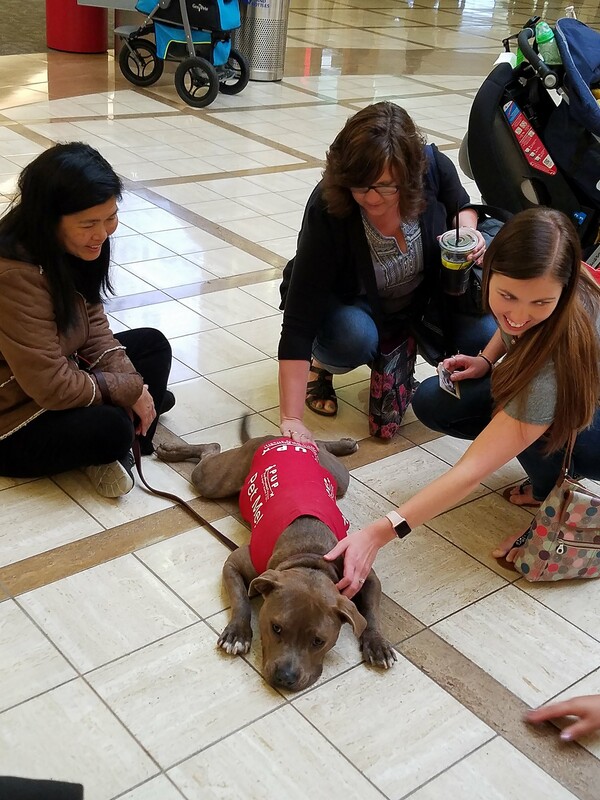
466,241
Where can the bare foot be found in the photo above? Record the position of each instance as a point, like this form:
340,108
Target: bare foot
521,496
506,549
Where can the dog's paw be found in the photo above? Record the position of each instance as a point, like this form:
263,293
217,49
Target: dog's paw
167,452
235,639
349,445
377,651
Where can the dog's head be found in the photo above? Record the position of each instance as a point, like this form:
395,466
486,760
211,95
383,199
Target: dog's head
300,621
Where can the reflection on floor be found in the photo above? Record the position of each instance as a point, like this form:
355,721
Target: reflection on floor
109,610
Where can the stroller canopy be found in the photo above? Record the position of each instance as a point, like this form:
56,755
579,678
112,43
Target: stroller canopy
579,48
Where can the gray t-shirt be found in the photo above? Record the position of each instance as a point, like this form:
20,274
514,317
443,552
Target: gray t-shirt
537,403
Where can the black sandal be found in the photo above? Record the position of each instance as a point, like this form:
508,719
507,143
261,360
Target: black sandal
321,389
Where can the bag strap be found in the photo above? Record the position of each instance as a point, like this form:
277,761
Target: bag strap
179,500
569,453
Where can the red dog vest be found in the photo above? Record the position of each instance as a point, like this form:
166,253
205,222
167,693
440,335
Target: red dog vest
285,482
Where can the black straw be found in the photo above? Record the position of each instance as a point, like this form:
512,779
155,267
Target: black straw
457,212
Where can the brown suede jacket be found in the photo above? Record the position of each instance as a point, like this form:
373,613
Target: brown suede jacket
39,368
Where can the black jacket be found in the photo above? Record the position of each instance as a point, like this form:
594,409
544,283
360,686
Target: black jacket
333,254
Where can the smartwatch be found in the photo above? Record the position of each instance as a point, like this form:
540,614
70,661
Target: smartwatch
399,524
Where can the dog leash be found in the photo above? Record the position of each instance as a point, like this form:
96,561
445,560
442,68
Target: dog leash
137,455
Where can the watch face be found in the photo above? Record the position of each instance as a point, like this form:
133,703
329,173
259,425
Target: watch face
403,529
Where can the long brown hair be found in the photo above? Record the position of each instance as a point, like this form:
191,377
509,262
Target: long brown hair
543,242
379,136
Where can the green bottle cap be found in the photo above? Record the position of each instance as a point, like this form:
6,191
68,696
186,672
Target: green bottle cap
543,33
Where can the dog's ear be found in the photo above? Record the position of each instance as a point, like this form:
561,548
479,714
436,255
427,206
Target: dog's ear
349,613
265,583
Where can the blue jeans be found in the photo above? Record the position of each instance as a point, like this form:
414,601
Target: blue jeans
467,417
349,336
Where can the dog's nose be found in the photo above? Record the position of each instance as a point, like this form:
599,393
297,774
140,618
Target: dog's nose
286,677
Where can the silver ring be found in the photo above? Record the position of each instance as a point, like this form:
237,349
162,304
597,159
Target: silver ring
361,580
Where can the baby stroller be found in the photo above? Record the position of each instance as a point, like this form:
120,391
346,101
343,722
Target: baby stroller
529,145
198,35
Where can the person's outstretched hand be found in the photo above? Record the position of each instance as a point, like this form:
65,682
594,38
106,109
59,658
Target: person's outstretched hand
466,367
295,429
359,551
586,708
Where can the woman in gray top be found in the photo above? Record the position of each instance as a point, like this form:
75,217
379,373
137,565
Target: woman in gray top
547,307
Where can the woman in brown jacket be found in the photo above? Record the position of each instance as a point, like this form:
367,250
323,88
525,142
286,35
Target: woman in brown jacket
72,394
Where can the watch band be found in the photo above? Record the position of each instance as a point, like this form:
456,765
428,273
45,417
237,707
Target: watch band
399,524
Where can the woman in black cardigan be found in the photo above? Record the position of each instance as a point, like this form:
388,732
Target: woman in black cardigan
368,260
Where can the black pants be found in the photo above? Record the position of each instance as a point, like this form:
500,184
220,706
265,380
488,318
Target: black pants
58,441
24,789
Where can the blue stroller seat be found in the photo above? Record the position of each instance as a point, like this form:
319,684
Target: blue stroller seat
562,170
198,36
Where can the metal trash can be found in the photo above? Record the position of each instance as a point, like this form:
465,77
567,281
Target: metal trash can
262,36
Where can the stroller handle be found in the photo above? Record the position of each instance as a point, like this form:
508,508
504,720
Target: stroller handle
548,76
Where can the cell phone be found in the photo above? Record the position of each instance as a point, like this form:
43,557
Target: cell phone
446,383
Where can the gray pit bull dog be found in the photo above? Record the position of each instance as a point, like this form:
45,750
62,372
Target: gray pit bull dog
288,493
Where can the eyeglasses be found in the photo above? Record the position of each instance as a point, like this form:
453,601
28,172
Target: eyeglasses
382,190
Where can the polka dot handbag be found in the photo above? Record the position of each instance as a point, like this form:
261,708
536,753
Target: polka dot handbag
563,541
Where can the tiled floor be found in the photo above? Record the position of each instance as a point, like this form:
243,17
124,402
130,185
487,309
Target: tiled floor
109,610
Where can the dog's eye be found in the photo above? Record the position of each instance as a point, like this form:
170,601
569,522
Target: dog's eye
276,628
318,642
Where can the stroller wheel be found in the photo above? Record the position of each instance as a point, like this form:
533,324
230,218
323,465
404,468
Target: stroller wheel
234,74
139,62
197,82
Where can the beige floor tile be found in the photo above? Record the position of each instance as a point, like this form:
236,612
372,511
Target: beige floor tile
260,229
408,728
577,601
151,220
69,734
264,334
29,664
171,318
267,291
138,503
356,394
125,283
184,241
228,261
450,450
521,643
200,405
166,272
137,248
361,505
155,789
229,307
256,383
214,351
431,578
479,526
284,246
497,771
35,517
106,612
282,746
165,694
190,564
402,475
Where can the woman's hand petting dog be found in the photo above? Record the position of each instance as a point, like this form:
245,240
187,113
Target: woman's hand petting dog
295,429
